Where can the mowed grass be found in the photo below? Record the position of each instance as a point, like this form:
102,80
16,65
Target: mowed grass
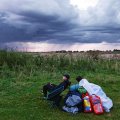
22,77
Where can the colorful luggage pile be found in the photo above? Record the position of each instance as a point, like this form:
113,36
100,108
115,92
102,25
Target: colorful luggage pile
78,100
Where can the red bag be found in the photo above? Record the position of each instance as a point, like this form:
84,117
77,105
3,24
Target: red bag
96,104
86,103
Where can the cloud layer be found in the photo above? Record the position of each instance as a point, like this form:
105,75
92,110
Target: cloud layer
57,21
45,47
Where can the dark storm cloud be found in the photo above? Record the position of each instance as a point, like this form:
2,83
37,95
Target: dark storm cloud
49,28
40,28
55,25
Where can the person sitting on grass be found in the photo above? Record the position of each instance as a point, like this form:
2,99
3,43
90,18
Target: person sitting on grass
51,87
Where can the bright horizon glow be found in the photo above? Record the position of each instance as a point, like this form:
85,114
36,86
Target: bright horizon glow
84,4
47,47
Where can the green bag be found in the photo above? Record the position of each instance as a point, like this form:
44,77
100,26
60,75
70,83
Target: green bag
82,90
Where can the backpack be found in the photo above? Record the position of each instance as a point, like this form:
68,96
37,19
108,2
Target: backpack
73,100
86,103
96,104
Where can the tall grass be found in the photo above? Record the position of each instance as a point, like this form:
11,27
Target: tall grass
22,61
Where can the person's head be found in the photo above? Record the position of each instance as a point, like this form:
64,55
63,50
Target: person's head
79,78
66,77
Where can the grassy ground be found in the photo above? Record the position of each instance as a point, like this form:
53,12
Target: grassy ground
22,76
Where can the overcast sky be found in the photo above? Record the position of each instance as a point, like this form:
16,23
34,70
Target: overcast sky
59,22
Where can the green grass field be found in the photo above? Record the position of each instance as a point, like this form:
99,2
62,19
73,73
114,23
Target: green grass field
23,75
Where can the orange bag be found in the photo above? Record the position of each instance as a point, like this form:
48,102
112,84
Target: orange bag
96,104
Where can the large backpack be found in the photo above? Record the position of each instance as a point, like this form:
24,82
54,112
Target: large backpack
96,104
74,99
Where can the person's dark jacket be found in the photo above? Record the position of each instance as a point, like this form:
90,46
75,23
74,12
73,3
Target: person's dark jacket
65,83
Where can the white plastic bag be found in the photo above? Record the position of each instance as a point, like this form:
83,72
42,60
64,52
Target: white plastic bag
97,90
